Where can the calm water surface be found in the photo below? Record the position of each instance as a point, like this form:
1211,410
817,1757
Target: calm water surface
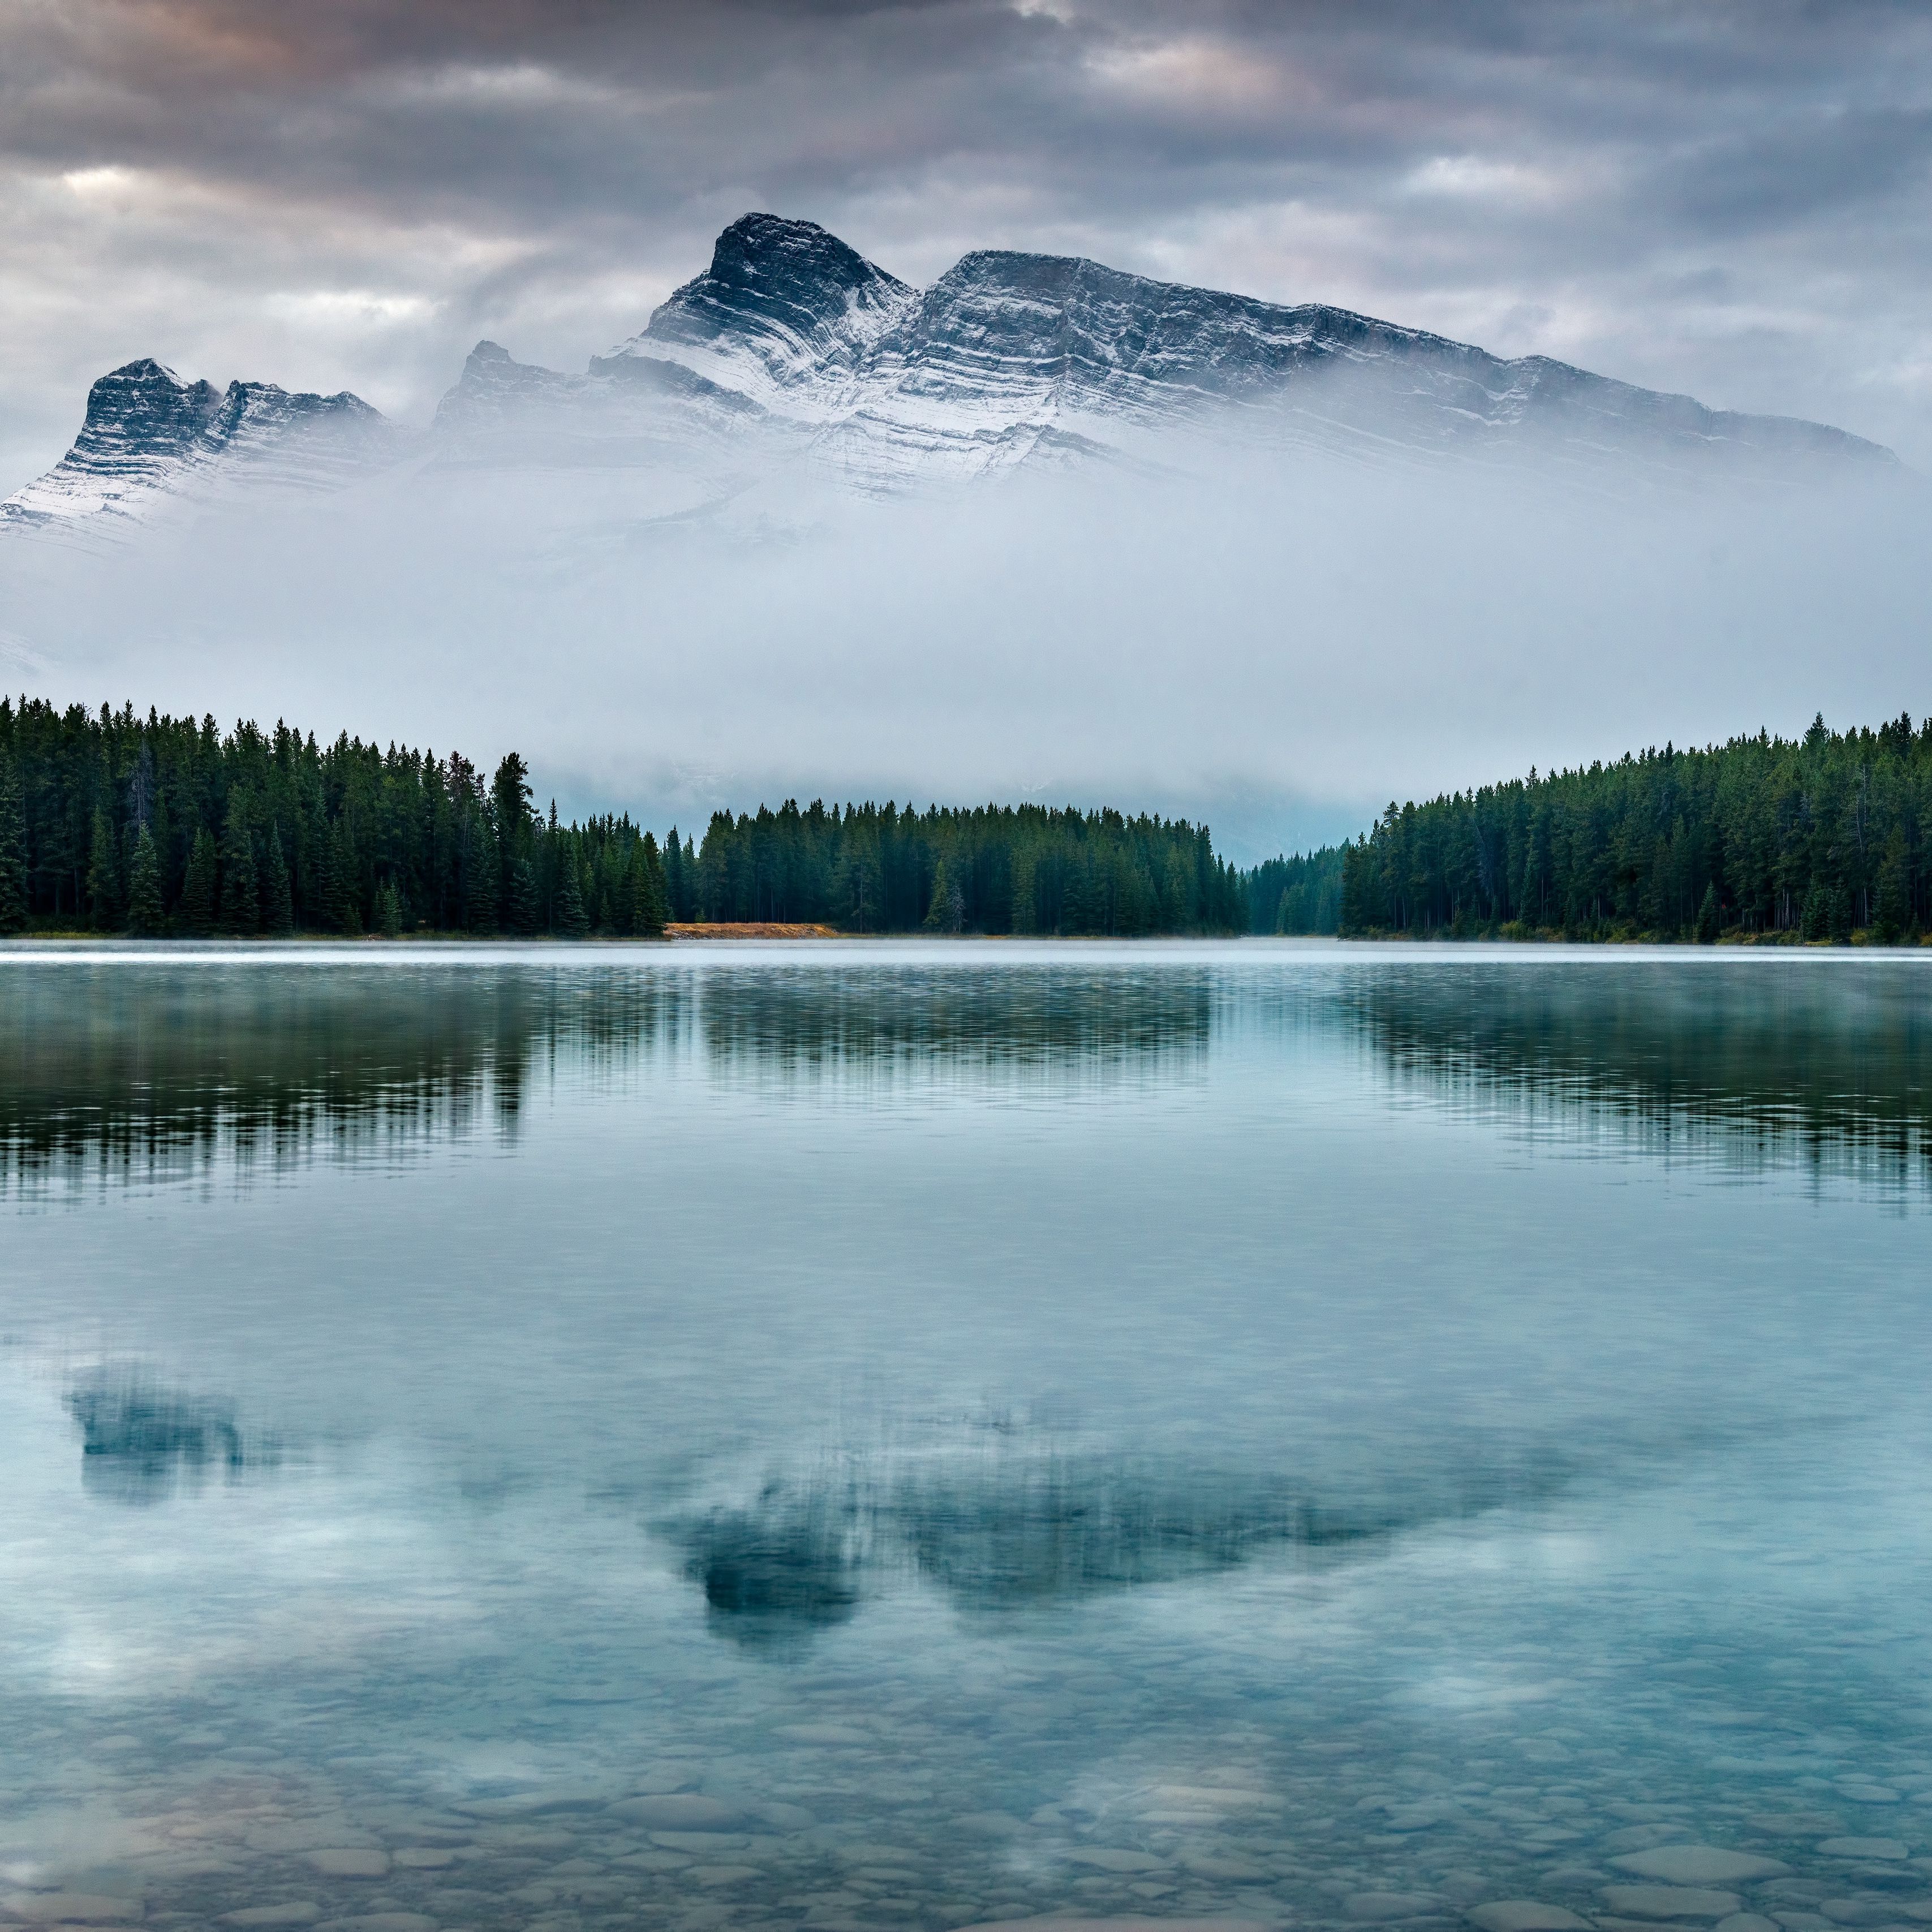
929,1436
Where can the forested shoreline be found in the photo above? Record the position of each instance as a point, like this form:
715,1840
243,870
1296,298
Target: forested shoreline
157,826
995,869
113,823
1761,839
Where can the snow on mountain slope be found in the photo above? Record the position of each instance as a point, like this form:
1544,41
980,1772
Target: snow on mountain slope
787,315
1013,360
149,438
793,360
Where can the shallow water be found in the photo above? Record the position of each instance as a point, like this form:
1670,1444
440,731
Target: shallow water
924,1436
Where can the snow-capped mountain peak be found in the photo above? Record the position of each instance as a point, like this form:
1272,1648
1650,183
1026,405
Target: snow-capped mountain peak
787,314
148,436
792,349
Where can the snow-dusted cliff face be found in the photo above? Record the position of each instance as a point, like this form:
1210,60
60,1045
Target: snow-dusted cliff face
792,355
149,438
786,315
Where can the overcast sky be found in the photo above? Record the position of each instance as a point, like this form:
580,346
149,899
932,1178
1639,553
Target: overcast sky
1727,199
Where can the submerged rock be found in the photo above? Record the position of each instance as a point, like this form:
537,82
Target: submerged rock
679,1811
1525,1915
1698,1865
1669,1901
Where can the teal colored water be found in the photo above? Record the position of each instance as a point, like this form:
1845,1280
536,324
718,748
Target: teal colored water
867,1436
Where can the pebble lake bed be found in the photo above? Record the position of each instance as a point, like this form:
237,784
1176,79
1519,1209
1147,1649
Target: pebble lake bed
856,1435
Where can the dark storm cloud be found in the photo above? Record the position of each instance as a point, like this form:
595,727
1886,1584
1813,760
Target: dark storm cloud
1722,198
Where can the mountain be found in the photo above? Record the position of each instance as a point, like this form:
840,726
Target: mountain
1010,357
148,437
792,356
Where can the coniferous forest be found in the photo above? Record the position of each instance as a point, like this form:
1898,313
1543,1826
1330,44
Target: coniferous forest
1015,869
1298,895
113,823
1761,839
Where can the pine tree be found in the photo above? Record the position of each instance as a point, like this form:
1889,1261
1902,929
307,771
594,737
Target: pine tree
1839,925
12,849
344,911
146,917
103,873
674,872
1894,911
945,912
195,914
278,903
389,911
479,873
1709,916
569,918
241,902
1024,914
642,900
522,914
510,807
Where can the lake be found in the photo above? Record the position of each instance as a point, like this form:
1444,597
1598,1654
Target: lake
860,1435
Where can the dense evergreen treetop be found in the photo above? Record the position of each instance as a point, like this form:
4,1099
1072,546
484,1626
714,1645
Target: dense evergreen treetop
1762,837
1298,895
158,824
164,825
1015,869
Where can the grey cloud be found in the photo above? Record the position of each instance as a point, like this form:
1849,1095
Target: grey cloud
1718,197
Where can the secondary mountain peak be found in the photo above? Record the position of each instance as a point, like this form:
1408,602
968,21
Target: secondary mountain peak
791,348
146,432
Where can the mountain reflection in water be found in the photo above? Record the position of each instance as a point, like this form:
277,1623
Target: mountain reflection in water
1030,1525
141,1442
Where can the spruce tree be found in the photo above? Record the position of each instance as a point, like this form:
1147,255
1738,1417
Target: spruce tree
389,911
1024,915
570,919
278,903
1839,926
521,914
103,873
1708,916
343,901
947,911
1893,913
480,879
510,807
241,902
12,849
650,898
146,917
674,872
195,914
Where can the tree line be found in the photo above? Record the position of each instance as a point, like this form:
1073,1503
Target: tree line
159,825
116,823
1298,895
1007,869
1816,838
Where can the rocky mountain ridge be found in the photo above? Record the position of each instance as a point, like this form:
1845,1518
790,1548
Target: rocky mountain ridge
793,354
148,436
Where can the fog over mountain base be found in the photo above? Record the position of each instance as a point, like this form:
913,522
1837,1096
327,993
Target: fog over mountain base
1278,642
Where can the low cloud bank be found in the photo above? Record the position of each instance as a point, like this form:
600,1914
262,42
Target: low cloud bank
1278,645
